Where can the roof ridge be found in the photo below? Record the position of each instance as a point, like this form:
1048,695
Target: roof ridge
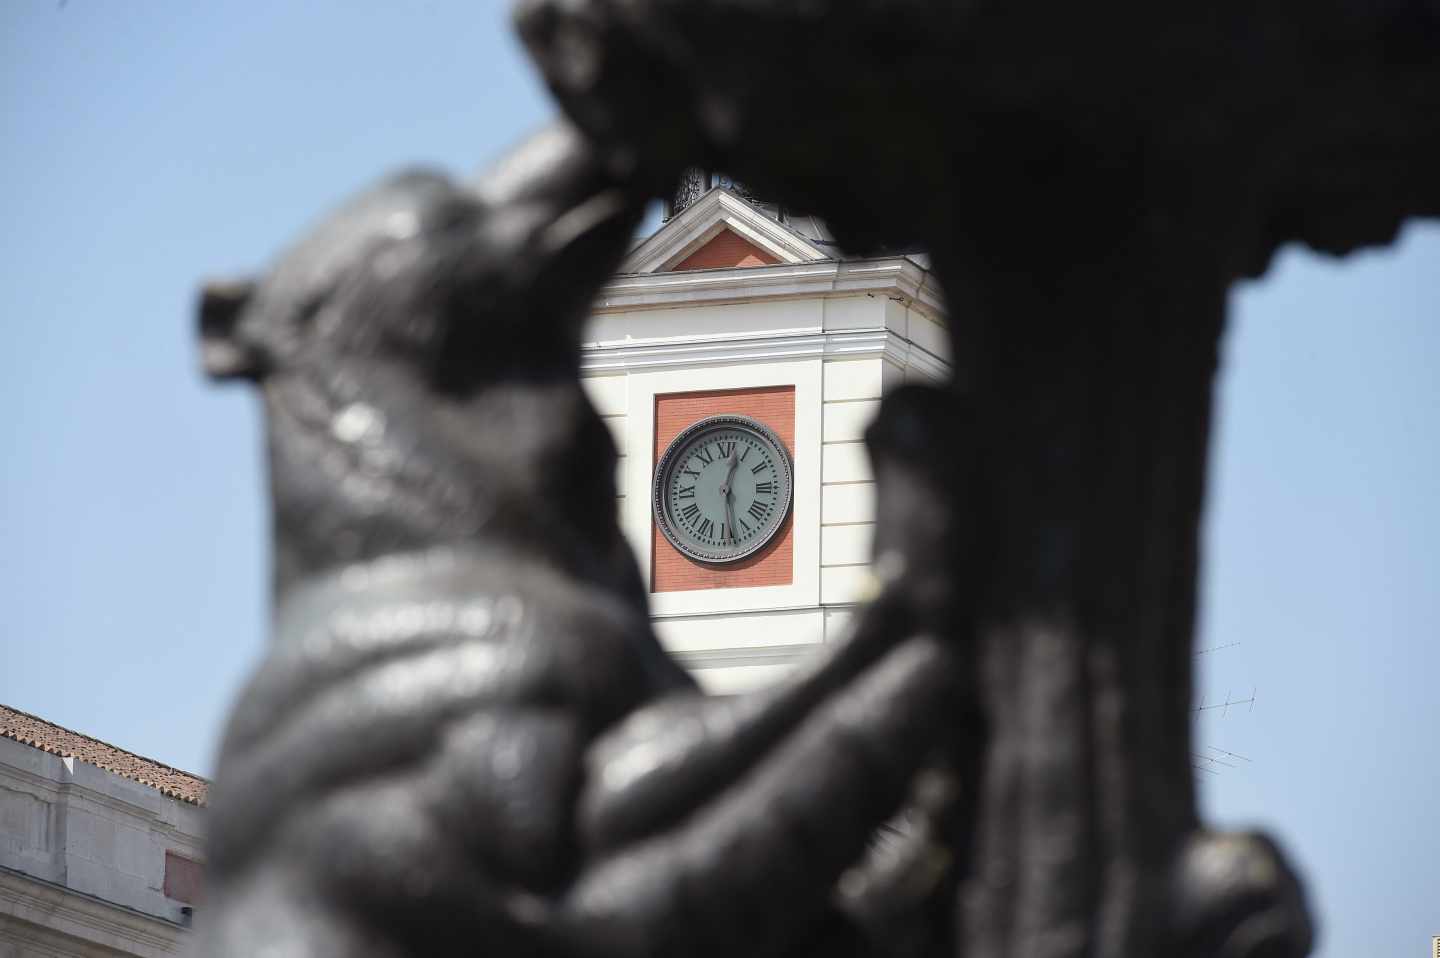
101,741
195,794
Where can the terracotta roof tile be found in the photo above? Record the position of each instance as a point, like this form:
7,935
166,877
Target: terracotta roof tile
49,737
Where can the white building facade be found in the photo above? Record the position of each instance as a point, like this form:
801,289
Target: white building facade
95,862
727,309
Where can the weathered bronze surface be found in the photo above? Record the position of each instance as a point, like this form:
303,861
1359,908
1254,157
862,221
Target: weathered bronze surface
466,734
466,737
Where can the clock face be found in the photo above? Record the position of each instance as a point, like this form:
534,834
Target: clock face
723,488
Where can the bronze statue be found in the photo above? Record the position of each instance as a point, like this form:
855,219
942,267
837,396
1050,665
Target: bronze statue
466,736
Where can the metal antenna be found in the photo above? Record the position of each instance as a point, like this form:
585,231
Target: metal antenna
1209,763
1212,760
1225,705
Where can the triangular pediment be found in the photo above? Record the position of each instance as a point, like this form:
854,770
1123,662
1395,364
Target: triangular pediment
726,250
721,230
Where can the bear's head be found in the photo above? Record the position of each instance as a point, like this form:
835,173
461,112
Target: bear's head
418,355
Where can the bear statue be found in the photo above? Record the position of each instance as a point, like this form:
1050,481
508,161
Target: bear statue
465,735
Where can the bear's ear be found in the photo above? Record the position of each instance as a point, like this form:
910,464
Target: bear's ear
222,354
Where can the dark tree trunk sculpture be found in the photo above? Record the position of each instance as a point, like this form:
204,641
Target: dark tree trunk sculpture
1092,419
1089,183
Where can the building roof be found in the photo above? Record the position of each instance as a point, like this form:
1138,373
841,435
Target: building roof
57,740
707,204
720,211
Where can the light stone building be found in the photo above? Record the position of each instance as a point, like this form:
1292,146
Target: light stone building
100,849
731,307
734,307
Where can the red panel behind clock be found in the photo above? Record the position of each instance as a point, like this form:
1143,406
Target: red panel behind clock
671,570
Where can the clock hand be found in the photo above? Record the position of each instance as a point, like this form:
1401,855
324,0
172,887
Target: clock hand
728,493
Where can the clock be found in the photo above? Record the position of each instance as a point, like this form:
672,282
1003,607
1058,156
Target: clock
723,488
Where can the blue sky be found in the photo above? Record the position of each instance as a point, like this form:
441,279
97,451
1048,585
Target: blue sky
147,145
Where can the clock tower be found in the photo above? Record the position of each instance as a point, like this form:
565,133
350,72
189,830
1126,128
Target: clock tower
737,359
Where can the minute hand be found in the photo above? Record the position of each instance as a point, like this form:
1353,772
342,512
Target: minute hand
728,492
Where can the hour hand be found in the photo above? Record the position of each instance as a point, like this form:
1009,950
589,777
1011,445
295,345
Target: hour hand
728,491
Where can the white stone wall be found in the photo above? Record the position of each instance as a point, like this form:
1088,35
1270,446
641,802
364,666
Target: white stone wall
843,351
82,859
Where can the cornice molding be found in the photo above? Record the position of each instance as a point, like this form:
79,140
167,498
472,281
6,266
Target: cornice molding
68,789
911,356
116,803
730,350
193,846
63,910
896,277
41,783
748,655
702,220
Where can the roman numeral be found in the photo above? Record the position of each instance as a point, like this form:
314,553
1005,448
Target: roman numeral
705,528
760,468
691,472
685,492
768,486
741,520
727,449
726,532
758,510
703,454
745,453
690,512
